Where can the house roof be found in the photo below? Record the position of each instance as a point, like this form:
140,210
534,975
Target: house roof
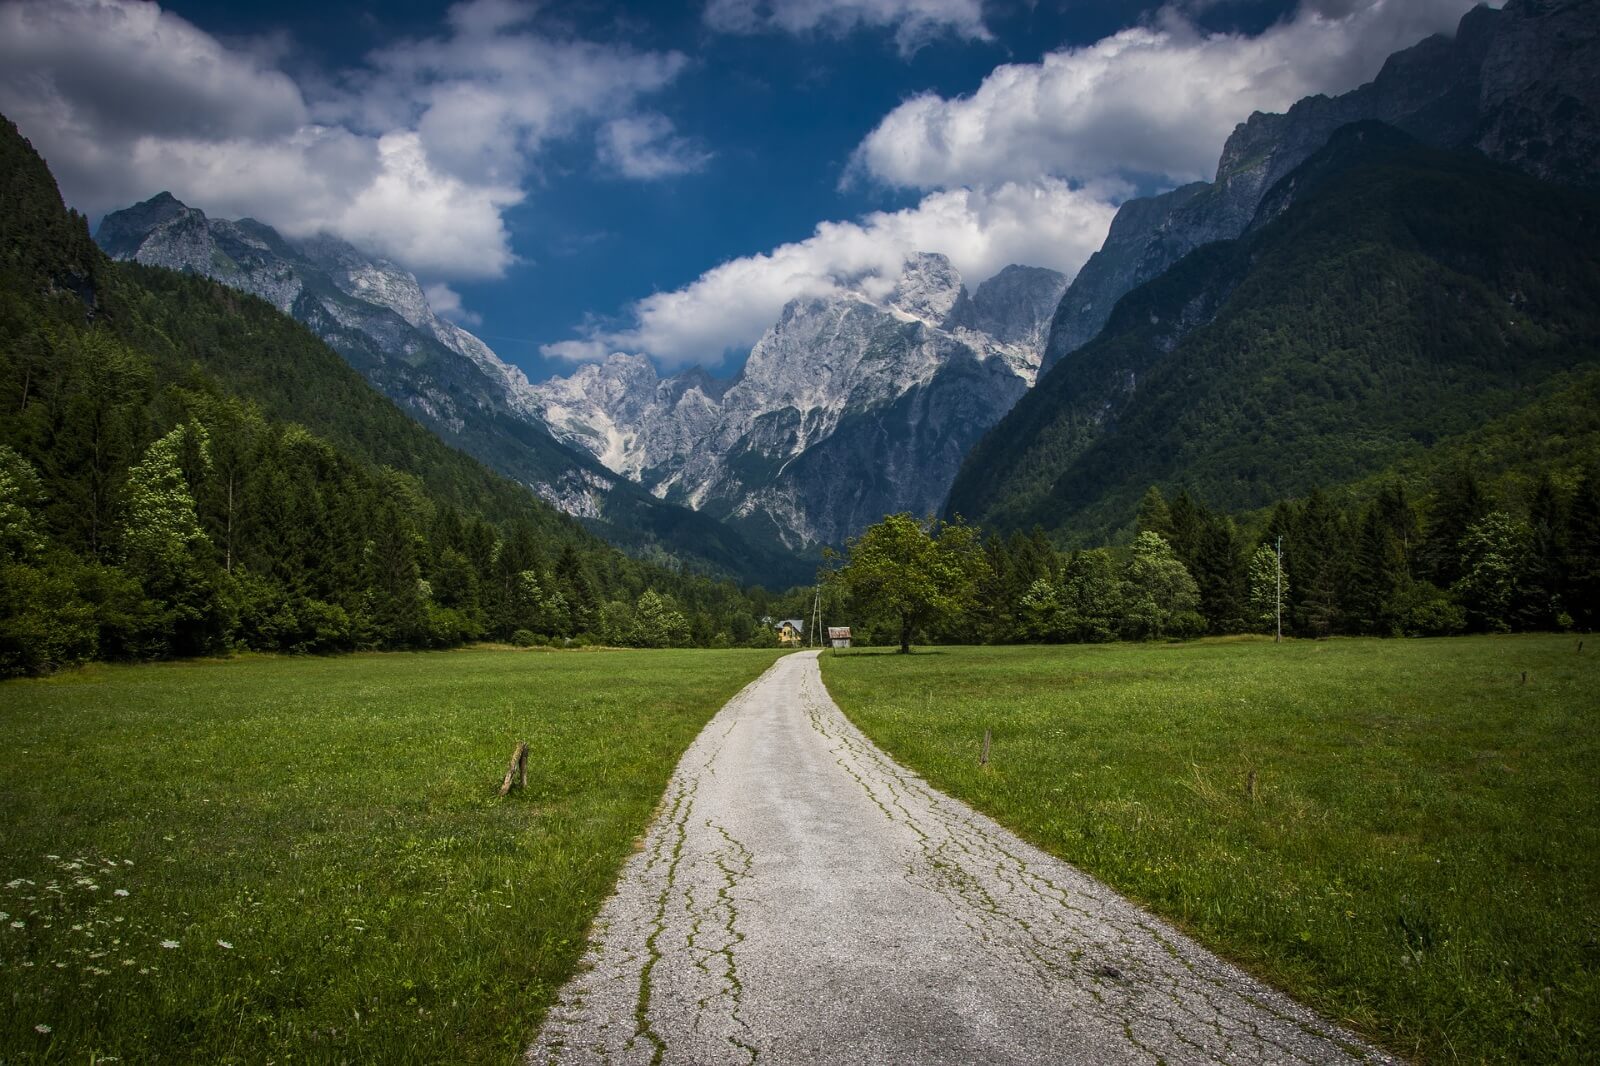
838,632
798,623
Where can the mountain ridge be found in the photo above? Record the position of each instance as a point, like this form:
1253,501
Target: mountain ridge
1518,84
1360,319
377,317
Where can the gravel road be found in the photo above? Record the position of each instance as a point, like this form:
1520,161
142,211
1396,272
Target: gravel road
800,897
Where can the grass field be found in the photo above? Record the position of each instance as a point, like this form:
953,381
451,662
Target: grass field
1422,854
304,860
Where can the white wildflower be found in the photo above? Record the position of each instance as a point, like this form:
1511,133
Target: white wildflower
119,892
18,925
42,1029
169,943
224,944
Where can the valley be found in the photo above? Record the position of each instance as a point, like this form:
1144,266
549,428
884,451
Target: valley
1010,533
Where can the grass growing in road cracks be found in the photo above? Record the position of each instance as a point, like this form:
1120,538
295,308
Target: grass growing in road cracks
1421,857
305,860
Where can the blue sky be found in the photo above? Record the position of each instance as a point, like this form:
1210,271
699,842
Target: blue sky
575,177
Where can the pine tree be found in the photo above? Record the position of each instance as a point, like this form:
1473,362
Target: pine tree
1581,563
1459,503
1154,514
1320,547
1378,571
1219,573
1544,583
1188,521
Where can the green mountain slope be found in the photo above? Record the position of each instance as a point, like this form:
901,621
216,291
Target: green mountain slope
1387,298
183,469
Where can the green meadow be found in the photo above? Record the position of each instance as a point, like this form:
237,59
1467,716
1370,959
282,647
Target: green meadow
305,860
1420,856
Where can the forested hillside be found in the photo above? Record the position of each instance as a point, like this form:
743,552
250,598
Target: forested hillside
1389,301
184,470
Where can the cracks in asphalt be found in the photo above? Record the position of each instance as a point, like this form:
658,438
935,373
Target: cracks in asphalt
676,819
682,964
1084,942
734,861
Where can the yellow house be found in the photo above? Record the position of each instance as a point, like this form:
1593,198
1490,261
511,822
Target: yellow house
791,631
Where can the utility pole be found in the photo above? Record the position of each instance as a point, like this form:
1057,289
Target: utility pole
1277,600
816,617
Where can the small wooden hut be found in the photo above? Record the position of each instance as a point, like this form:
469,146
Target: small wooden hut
839,636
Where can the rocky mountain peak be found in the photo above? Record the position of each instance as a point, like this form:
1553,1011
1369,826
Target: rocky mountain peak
928,288
122,232
1014,306
849,406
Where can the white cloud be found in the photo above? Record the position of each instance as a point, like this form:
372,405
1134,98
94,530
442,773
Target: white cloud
446,303
1155,99
1045,223
416,155
645,147
915,22
591,351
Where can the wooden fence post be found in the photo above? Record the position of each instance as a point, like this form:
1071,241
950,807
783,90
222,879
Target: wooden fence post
518,768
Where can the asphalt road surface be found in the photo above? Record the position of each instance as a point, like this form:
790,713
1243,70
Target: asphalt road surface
800,898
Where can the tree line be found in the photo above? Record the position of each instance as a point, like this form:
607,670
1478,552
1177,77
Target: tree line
141,523
1457,560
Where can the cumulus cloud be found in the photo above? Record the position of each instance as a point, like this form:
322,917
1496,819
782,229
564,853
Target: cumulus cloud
446,303
1043,223
415,155
645,147
915,22
1155,99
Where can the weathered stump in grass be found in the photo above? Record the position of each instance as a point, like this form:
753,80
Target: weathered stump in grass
517,769
1250,785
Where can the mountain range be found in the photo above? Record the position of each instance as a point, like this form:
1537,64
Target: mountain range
376,315
1388,298
1369,275
848,408
862,402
